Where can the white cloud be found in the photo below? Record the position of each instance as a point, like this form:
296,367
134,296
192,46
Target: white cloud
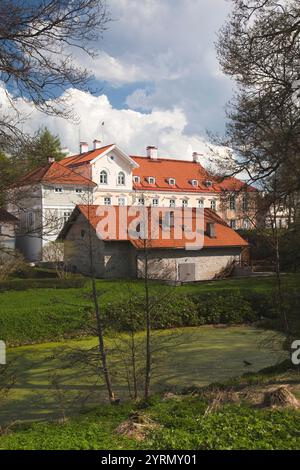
131,130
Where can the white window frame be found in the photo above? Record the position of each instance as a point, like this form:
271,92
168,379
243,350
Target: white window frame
78,190
66,215
172,181
213,205
201,203
172,203
105,174
136,179
195,183
123,199
151,180
121,181
107,201
155,204
58,190
141,201
185,202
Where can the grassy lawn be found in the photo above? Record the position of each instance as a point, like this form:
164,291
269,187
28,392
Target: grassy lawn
35,299
189,357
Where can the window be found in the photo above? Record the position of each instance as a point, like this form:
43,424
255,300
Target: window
245,203
232,204
141,201
121,178
122,201
136,179
172,181
195,183
66,216
208,183
78,190
200,203
233,224
246,224
155,201
58,190
172,203
151,180
185,202
103,177
213,205
107,201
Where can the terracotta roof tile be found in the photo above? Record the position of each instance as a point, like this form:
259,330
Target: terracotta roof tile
225,236
55,173
184,172
85,157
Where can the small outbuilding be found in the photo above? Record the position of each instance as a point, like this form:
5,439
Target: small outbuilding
170,255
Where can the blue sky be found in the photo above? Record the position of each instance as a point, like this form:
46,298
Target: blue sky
159,79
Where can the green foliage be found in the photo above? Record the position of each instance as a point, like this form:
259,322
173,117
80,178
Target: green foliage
51,323
262,242
182,426
226,307
230,427
36,152
9,173
25,284
122,302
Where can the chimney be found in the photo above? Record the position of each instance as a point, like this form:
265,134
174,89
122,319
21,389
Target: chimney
51,159
152,152
196,156
83,147
211,229
97,144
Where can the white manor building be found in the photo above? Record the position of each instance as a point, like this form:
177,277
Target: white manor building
106,175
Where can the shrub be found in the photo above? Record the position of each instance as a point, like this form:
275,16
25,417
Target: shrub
45,324
228,307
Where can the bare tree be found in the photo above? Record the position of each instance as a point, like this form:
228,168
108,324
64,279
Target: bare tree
259,47
99,322
38,42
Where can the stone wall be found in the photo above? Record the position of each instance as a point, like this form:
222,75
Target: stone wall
165,264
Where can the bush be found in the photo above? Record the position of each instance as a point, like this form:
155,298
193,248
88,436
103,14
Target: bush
181,310
228,307
25,284
48,324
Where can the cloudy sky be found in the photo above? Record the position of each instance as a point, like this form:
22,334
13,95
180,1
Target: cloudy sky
159,79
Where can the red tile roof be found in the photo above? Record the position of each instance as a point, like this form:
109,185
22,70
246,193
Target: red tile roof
54,173
85,157
184,172
6,217
225,236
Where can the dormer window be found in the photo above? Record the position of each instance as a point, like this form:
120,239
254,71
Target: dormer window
151,180
208,183
172,181
136,179
194,183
